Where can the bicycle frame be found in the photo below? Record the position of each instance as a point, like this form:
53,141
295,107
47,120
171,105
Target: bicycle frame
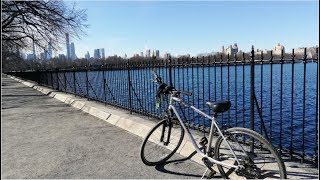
174,99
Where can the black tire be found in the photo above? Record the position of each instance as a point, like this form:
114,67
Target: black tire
153,151
264,162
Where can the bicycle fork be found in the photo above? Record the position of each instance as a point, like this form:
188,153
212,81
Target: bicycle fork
162,137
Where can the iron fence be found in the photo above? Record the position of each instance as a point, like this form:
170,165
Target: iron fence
277,97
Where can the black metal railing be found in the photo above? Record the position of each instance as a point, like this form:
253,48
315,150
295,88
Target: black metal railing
276,96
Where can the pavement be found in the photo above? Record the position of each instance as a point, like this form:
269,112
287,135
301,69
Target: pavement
50,134
42,137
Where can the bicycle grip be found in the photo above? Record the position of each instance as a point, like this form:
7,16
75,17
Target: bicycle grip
186,93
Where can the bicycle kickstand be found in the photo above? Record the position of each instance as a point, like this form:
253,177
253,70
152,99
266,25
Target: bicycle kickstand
208,165
210,175
205,172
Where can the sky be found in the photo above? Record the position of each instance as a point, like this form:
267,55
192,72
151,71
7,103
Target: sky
189,27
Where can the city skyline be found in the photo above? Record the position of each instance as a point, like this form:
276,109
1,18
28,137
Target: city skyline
228,49
194,28
197,27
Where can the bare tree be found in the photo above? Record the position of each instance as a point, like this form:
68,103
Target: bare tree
24,22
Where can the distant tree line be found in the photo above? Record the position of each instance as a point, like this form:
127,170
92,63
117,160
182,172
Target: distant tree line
16,63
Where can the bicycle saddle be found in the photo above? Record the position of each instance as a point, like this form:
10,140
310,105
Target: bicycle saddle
219,106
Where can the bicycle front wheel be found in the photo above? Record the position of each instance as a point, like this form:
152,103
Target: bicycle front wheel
258,158
161,143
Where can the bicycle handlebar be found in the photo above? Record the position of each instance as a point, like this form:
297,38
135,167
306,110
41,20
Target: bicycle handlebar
157,78
182,92
167,89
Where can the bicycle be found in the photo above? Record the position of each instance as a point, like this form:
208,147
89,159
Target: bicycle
237,150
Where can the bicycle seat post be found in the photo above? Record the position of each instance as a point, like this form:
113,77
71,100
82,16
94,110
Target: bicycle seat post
211,131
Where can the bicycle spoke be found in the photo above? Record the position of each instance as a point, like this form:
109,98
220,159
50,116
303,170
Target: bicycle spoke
262,162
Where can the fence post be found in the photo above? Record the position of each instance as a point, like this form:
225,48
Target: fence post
315,156
252,94
38,76
47,78
104,85
304,61
129,87
51,78
292,104
87,82
170,73
57,71
74,82
281,97
65,80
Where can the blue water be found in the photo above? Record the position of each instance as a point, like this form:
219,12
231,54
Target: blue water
211,84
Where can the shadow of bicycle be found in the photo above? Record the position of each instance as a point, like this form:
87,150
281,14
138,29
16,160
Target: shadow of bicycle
162,167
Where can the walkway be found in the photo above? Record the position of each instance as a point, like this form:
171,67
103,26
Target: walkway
42,137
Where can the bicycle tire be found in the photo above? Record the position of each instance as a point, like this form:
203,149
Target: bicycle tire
254,167
160,148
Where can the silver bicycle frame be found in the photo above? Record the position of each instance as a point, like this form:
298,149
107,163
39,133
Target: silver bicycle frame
213,124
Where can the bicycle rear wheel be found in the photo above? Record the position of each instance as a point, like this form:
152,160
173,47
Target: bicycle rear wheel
161,143
259,161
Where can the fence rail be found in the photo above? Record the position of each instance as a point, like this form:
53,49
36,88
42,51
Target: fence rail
277,97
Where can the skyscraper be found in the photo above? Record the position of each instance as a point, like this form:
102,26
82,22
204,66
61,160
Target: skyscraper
231,49
72,52
67,46
43,55
102,53
87,56
148,53
30,57
96,54
157,54
34,50
24,56
61,56
99,54
49,53
166,55
277,49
